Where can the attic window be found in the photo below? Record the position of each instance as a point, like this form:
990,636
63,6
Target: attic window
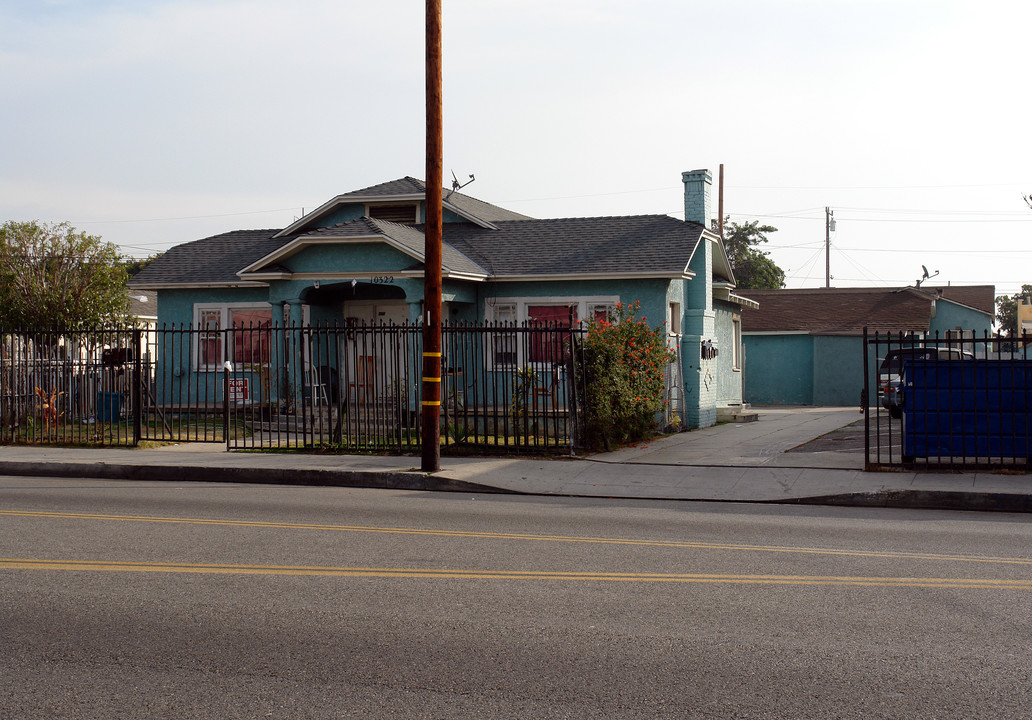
394,213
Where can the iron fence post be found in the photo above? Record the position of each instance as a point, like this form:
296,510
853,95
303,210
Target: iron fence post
865,404
225,405
137,387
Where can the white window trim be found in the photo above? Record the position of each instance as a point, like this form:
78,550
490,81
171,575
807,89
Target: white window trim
224,309
736,343
584,305
674,321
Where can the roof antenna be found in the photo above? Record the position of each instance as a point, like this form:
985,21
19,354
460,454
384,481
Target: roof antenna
456,185
926,276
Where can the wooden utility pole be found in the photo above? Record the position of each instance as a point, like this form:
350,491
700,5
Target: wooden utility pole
431,387
720,201
829,220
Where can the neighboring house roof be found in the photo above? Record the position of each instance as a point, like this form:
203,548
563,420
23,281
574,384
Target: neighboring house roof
846,311
976,297
143,304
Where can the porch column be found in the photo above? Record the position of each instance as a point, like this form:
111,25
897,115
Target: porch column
292,364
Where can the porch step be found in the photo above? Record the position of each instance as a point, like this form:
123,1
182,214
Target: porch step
737,414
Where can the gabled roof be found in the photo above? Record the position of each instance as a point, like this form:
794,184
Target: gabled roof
409,189
493,244
846,311
212,261
976,297
634,246
603,247
407,238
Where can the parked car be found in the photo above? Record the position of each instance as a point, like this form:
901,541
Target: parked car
890,384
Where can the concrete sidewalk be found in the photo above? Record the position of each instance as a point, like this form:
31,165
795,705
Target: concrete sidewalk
752,462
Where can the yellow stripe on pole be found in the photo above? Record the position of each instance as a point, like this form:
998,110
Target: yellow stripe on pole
431,354
429,379
431,403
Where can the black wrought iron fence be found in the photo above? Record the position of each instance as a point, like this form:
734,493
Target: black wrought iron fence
72,387
342,387
951,402
358,387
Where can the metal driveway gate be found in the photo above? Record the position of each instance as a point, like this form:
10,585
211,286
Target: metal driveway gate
958,402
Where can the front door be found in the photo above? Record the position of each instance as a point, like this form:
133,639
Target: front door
372,352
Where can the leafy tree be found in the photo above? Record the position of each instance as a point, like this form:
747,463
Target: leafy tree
752,267
1007,311
52,276
135,265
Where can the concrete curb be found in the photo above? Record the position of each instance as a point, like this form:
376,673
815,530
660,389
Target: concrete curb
378,479
420,481
925,500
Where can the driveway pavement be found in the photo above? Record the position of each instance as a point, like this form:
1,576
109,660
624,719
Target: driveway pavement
781,437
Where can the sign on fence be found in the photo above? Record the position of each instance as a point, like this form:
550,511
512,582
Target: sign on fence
239,389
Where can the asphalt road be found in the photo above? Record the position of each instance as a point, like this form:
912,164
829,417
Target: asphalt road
140,600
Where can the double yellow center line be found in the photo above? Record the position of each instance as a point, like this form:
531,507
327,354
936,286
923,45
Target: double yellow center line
674,544
439,574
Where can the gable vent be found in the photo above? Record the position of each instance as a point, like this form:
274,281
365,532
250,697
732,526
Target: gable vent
394,213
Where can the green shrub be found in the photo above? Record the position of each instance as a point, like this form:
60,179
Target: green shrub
624,363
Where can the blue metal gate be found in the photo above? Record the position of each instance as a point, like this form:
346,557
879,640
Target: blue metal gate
958,402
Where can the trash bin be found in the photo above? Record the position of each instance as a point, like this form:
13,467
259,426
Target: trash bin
109,406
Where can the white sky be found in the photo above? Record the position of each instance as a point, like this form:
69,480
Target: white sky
153,123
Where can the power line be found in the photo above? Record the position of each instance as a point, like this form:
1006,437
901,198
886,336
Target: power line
870,187
807,264
929,220
913,211
1017,218
812,244
592,195
771,187
184,217
871,277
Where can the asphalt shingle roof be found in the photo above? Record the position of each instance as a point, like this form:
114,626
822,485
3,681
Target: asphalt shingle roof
413,186
143,303
643,244
606,245
215,259
979,297
847,310
409,236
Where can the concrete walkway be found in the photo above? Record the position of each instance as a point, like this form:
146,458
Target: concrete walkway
763,461
767,442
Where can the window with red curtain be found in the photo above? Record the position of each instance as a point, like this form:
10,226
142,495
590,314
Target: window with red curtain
210,338
546,346
252,338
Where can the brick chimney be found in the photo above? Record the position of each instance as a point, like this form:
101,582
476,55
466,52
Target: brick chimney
697,186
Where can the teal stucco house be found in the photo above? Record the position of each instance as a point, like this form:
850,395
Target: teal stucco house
805,347
358,258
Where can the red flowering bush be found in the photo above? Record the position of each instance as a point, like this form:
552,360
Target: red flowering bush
624,362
